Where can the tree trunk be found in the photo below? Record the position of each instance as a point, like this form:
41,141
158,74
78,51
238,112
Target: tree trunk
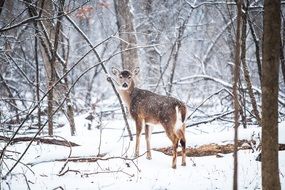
37,74
235,89
69,104
127,34
270,77
245,69
48,58
51,41
177,46
151,37
257,46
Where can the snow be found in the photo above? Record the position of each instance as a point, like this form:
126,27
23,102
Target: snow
208,172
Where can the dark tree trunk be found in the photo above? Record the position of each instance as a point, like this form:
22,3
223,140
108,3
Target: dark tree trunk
270,76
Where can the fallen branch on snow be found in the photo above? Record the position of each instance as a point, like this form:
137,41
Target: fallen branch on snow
95,173
210,149
214,149
41,140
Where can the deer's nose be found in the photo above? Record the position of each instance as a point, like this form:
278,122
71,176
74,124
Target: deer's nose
125,85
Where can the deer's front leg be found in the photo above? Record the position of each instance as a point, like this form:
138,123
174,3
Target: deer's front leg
147,138
138,135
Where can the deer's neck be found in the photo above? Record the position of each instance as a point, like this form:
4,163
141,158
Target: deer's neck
126,95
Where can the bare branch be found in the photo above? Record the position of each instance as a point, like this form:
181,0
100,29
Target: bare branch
27,20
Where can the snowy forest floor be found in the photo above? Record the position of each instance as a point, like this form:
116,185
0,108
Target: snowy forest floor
117,168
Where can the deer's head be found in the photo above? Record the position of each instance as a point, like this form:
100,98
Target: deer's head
125,78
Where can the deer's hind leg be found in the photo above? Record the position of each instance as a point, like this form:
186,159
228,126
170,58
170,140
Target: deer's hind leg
174,139
183,144
175,146
181,134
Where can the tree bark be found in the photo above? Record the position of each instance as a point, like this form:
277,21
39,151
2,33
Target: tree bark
151,37
270,77
282,45
127,34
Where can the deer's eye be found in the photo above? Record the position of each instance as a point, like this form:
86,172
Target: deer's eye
129,77
120,76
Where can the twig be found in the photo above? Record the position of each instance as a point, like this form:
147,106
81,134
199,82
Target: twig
70,151
209,97
90,159
59,187
27,182
95,173
20,23
25,165
223,83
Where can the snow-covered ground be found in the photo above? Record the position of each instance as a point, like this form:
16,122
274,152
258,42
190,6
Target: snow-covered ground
209,172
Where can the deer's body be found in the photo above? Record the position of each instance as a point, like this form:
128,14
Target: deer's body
148,108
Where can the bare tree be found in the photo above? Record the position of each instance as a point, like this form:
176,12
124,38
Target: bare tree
270,78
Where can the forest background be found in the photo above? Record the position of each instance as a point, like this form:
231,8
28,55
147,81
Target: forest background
56,57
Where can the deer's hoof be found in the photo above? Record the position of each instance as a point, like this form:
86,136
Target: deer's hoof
173,166
148,157
183,164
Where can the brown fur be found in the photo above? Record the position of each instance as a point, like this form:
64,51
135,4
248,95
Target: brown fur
148,108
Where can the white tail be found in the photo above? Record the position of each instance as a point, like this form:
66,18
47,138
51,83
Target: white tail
148,108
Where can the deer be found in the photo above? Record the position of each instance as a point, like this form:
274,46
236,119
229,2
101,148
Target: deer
148,109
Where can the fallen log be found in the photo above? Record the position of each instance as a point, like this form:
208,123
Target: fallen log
47,140
213,149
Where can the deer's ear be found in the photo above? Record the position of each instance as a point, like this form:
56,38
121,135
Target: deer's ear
115,71
136,71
